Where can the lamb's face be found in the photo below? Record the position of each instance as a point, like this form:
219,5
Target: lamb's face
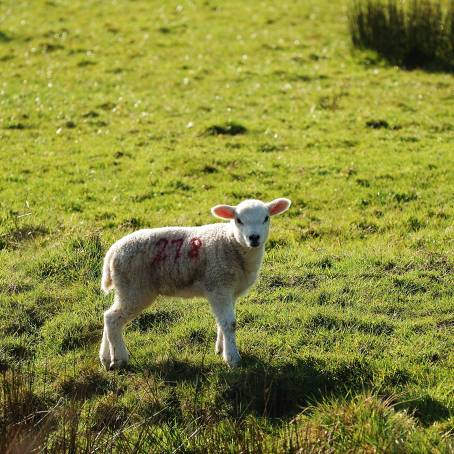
251,219
251,223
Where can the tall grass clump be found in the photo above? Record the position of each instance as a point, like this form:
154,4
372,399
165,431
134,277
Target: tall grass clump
416,34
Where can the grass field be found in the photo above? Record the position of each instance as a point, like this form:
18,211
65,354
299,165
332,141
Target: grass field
123,114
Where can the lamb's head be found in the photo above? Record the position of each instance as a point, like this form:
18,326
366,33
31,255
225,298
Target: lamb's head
251,219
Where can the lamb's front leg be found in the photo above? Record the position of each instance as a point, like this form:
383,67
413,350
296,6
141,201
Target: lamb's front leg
223,306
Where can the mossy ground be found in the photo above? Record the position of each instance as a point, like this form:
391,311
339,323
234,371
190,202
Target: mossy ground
118,115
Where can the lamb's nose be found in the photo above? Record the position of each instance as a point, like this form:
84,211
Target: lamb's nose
254,239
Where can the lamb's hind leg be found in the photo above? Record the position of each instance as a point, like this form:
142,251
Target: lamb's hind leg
219,347
104,350
125,308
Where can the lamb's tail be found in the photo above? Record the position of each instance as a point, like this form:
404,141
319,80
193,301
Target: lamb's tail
106,280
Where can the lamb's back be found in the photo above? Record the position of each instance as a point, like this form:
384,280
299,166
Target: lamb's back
175,260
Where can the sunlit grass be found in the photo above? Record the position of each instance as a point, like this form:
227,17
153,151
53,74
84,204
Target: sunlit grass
119,116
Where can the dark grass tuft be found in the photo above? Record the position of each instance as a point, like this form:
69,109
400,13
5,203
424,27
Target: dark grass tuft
209,169
197,336
409,286
324,263
16,288
15,350
420,35
414,224
405,197
86,384
18,126
366,228
15,235
268,148
304,280
277,243
91,114
4,38
70,124
132,224
397,377
446,324
377,124
230,128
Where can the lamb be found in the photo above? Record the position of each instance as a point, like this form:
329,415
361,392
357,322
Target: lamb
218,261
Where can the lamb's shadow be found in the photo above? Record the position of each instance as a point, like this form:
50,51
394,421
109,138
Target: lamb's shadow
259,388
282,391
174,371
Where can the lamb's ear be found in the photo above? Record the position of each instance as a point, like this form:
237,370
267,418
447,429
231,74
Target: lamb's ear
223,211
278,206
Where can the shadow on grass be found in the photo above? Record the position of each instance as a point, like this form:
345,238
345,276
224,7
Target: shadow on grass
282,391
258,388
151,320
85,385
173,371
426,409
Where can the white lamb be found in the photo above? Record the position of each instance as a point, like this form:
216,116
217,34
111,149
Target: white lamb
218,261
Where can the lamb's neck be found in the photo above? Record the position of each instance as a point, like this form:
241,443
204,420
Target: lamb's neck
253,258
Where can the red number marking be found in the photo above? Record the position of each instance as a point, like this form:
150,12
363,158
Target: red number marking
196,244
160,247
179,242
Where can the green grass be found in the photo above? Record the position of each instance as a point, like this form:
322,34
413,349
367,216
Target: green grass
119,115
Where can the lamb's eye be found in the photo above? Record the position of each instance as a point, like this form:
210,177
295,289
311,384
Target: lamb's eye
239,221
266,220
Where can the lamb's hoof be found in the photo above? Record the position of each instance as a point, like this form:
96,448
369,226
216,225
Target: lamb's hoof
118,364
105,361
233,360
218,350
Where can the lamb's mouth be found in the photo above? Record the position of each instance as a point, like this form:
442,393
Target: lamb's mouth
254,244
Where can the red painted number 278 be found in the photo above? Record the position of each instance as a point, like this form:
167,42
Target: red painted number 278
161,249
